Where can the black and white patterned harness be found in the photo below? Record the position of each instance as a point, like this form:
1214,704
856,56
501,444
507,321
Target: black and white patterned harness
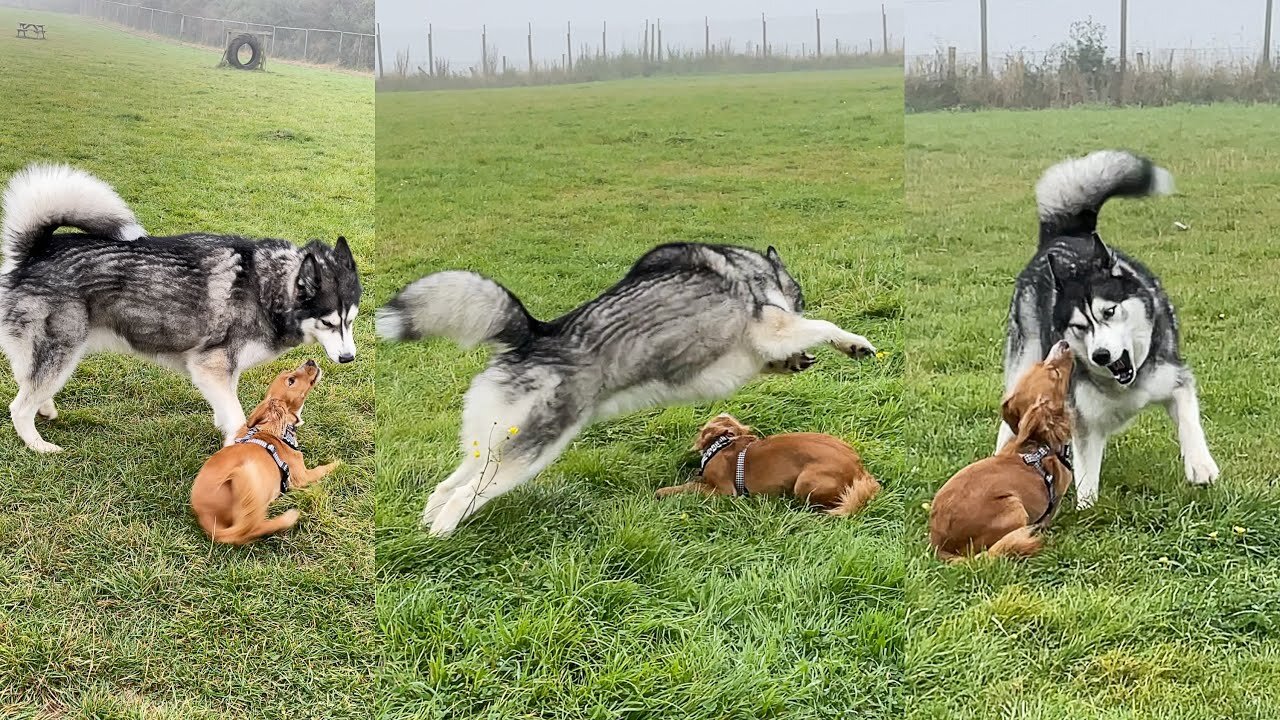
289,437
1036,460
739,474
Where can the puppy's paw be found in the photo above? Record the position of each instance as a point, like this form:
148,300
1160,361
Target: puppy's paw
1201,469
856,346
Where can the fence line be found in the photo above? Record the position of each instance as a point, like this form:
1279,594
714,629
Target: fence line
311,45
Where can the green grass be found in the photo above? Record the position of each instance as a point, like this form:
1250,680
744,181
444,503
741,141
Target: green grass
113,604
1149,604
579,595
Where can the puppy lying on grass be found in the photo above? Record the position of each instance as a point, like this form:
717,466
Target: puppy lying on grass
819,469
1000,504
233,489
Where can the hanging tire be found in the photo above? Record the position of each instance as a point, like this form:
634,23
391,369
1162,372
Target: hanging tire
233,52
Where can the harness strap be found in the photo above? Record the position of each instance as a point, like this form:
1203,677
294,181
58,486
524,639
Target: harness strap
1036,460
740,473
271,448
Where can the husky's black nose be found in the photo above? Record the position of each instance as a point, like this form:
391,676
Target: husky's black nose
346,358
1102,356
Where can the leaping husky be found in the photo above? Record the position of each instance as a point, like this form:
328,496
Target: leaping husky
688,323
1110,309
209,306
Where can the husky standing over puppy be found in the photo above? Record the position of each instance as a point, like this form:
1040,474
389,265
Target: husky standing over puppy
209,306
1110,309
688,323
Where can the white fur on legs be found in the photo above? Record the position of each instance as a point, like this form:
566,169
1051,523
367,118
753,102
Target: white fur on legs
501,477
213,377
48,410
781,334
23,411
1088,448
442,492
1184,410
34,396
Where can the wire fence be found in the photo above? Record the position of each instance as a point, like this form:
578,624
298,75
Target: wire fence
535,53
310,45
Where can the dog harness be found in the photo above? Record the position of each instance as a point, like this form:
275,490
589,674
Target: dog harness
739,473
289,437
1036,460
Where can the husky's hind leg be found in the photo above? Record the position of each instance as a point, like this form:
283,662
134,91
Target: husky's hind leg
42,363
536,446
780,334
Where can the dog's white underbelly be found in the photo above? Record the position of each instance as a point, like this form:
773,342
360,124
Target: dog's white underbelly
1107,413
714,382
103,340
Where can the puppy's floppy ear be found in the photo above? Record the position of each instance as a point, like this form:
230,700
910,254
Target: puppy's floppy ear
1009,412
342,252
268,411
308,277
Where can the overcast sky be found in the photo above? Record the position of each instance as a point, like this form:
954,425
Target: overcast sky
457,25
1038,24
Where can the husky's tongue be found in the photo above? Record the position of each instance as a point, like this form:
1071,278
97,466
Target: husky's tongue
1122,369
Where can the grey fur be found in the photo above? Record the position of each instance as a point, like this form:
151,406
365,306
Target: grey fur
207,305
1101,301
688,323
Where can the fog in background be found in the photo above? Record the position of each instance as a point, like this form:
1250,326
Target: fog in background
457,26
1230,28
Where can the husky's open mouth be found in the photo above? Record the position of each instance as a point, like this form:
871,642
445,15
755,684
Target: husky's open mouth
1122,369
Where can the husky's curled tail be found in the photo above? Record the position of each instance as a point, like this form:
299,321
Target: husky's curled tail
1070,194
42,198
466,307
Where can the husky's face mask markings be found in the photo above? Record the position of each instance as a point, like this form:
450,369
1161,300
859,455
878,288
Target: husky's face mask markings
1111,338
230,304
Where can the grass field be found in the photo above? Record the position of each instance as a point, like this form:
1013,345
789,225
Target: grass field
1163,600
579,595
113,604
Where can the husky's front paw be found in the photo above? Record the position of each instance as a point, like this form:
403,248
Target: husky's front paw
855,346
48,411
1201,470
794,364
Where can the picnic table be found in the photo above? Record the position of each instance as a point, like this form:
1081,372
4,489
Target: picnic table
35,31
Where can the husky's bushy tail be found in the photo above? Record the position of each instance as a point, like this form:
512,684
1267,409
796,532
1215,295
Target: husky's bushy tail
43,198
466,307
1070,194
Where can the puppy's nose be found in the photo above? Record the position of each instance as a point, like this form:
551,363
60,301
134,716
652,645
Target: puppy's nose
346,358
310,363
1102,356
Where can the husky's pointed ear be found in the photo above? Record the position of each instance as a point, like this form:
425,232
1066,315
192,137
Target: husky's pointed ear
343,252
308,278
772,255
1104,256
1055,273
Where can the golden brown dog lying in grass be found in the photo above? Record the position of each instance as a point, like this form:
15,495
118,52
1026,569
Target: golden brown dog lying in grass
999,504
820,469
233,489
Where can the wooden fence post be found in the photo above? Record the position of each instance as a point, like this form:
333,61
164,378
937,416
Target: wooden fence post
377,39
1124,52
568,41
306,40
818,21
604,40
659,39
1266,38
706,36
884,29
951,62
529,39
484,51
984,37
644,51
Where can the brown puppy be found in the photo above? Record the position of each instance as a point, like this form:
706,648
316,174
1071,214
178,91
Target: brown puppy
821,469
1000,503
231,494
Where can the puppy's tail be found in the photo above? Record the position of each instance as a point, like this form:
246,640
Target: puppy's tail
856,496
1070,194
42,198
1022,542
466,307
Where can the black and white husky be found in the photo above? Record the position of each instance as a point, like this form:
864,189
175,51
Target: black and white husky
209,306
1111,310
688,323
